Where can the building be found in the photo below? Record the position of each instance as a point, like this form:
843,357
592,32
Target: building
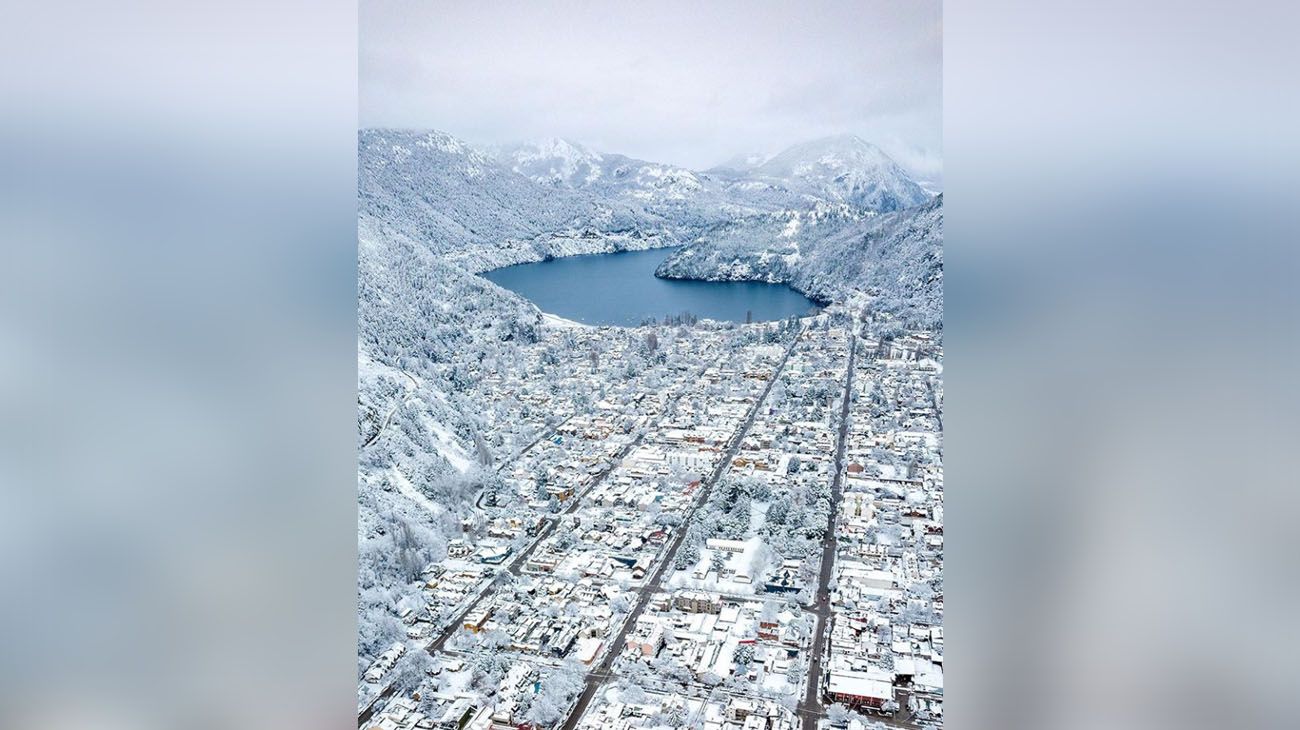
476,620
858,689
726,546
648,637
698,602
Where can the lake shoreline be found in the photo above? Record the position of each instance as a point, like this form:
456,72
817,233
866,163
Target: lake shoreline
622,289
820,301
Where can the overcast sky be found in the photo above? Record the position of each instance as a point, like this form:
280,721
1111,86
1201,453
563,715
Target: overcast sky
662,81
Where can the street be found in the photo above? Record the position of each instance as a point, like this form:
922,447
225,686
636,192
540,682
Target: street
597,677
811,707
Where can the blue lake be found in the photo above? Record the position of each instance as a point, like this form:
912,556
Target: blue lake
621,289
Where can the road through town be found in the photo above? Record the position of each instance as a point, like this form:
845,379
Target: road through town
600,673
515,567
597,677
811,707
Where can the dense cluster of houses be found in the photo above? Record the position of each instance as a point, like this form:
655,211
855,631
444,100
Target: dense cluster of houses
708,712
756,645
886,641
789,449
599,467
548,617
448,701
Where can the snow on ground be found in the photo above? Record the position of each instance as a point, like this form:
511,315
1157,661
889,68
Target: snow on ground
712,582
447,446
726,661
408,489
551,320
368,368
791,228
777,682
892,471
412,394
757,516
458,681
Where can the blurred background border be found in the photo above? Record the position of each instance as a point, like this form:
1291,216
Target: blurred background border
178,355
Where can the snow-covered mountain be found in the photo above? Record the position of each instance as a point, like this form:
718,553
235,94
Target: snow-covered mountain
843,169
689,200
554,161
566,164
472,209
570,165
739,165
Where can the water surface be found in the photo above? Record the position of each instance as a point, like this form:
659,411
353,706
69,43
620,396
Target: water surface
621,289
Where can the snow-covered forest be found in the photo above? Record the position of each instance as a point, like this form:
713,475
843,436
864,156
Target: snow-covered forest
829,252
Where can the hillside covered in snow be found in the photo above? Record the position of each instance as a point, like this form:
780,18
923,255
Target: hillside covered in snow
829,253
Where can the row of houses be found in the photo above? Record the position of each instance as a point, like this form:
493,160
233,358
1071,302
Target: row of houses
724,712
761,643
885,648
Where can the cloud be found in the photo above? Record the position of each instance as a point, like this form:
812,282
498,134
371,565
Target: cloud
665,81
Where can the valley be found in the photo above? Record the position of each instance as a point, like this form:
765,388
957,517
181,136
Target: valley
682,518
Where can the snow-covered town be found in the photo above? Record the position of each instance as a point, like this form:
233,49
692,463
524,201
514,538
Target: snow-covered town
743,531
646,445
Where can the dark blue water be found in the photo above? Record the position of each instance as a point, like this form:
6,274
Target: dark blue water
621,289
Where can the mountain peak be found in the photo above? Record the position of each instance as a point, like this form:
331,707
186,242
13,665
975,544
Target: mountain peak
848,148
563,148
555,161
846,168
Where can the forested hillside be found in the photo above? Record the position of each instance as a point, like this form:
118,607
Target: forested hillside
830,252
